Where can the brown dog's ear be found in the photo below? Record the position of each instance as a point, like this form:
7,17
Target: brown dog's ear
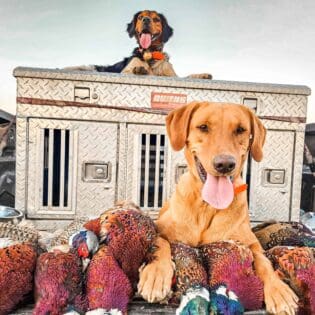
177,125
167,30
131,27
258,134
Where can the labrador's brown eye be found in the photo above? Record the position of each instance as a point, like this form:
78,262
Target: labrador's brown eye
140,17
156,19
239,130
203,128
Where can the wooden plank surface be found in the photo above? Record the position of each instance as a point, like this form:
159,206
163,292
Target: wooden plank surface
138,308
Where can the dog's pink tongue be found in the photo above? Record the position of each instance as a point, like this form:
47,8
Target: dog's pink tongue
218,191
145,40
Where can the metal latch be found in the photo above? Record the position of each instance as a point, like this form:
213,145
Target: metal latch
251,102
179,171
96,172
274,176
81,93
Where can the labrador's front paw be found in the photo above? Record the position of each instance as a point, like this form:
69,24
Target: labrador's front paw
279,298
156,280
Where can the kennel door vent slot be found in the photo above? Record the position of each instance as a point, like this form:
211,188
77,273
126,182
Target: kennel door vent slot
57,166
152,170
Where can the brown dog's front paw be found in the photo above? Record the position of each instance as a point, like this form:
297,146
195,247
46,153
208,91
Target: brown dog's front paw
140,70
279,298
156,280
206,76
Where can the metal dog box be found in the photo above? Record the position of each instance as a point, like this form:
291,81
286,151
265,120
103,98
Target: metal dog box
86,140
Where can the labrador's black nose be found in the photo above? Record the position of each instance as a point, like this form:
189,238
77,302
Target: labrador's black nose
224,163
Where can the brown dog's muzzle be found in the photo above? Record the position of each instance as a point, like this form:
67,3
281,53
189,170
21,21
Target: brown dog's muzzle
224,164
146,23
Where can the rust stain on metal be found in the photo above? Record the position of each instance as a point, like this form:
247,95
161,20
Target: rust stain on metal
45,102
285,119
160,110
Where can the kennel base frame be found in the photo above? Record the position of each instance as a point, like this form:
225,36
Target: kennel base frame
59,98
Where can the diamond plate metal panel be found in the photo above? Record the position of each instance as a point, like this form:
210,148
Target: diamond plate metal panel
281,125
120,95
92,142
122,158
175,159
92,76
91,114
283,149
124,189
21,167
46,89
108,114
34,184
97,142
272,201
135,91
133,165
297,176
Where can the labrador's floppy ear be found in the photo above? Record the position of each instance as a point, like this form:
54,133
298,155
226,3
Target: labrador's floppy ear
177,124
131,27
258,134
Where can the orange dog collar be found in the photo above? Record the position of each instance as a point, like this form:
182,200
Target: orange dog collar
240,189
156,55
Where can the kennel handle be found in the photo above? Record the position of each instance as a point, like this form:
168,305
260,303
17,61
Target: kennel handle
96,171
180,169
251,102
81,93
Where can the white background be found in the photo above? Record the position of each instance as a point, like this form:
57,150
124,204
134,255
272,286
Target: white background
246,40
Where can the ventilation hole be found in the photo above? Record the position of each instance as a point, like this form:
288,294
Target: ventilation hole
66,170
151,175
56,168
60,161
45,167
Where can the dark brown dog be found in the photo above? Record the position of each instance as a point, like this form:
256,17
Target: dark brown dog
152,31
208,205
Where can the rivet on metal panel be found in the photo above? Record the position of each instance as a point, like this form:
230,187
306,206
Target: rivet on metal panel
94,96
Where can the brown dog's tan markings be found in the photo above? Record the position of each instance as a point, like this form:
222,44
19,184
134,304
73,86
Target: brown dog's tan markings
152,31
155,24
212,132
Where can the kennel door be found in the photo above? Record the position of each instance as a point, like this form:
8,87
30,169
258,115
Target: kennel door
146,166
71,168
97,167
271,179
